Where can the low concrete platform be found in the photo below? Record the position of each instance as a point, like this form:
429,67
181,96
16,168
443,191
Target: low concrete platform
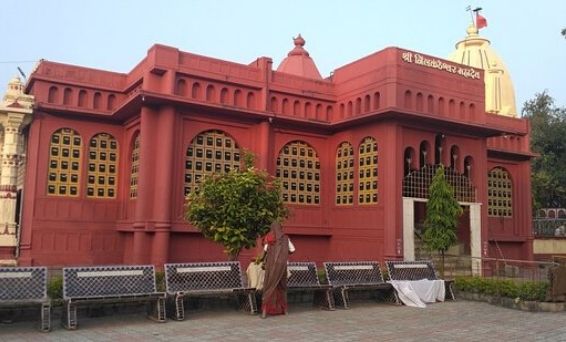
366,321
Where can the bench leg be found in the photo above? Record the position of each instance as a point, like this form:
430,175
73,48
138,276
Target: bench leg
179,307
251,303
328,299
70,316
46,317
157,312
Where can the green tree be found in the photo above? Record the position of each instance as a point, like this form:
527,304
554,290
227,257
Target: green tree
236,208
548,139
442,212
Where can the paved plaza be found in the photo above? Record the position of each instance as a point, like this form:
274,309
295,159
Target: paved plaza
366,321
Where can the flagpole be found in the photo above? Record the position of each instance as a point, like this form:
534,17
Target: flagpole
469,9
476,10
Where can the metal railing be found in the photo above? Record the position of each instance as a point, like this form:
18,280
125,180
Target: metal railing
545,227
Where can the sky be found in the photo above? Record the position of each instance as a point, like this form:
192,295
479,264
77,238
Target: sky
116,34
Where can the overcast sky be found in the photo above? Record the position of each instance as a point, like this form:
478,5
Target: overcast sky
115,34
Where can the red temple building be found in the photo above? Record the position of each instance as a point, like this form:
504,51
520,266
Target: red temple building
110,156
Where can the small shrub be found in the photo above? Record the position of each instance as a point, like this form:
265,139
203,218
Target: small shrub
55,287
321,273
160,281
528,290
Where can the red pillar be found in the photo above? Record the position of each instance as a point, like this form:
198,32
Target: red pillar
163,161
145,185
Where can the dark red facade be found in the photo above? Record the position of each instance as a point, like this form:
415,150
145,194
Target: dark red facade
171,96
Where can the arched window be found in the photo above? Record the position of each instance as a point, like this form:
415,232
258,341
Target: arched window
298,168
342,111
135,167
472,110
408,160
111,102
102,166
499,193
274,105
210,93
366,103
376,100
97,98
430,104
439,149
67,96
308,110
285,106
350,109
318,112
454,154
209,152
329,113
441,105
238,98
420,102
224,96
181,88
250,102
408,100
358,105
367,182
53,95
82,98
451,107
424,154
296,108
196,91
345,174
64,163
468,165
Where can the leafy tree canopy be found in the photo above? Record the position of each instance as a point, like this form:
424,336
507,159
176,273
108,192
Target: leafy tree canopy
236,208
548,139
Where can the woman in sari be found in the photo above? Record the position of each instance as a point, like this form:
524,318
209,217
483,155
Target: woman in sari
277,249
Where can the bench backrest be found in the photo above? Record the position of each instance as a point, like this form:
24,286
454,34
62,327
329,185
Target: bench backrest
108,281
23,284
353,273
203,276
303,274
411,270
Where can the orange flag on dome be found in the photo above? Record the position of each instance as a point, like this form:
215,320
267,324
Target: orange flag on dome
481,22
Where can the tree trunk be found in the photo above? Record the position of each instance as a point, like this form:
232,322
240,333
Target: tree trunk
234,256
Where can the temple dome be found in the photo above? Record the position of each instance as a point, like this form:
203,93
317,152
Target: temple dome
298,62
477,52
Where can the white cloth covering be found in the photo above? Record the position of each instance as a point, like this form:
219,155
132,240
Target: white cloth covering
416,293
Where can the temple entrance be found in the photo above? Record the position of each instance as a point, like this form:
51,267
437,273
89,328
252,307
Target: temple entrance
469,234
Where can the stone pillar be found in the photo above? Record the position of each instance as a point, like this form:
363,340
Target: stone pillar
15,113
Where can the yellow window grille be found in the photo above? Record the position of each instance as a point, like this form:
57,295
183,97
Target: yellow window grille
345,174
102,166
209,152
367,182
135,167
499,193
64,163
298,168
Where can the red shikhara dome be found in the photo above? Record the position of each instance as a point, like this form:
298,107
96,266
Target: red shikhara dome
298,62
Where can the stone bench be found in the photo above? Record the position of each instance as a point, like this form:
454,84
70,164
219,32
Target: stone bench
345,276
23,286
183,280
304,277
110,284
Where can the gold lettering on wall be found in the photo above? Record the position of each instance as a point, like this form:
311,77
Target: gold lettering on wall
439,64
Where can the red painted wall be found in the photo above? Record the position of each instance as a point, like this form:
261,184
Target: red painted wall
172,96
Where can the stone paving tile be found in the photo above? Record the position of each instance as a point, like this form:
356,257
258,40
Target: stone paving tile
366,321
